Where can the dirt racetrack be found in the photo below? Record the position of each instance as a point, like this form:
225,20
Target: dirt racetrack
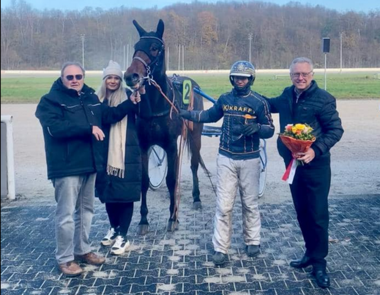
355,159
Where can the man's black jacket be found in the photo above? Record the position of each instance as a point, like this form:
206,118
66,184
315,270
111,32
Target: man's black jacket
67,119
315,107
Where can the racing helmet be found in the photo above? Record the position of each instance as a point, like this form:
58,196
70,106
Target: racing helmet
243,68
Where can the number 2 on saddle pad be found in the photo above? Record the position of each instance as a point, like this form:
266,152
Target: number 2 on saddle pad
186,88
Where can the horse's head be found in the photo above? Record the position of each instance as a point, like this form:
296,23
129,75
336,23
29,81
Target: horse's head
148,59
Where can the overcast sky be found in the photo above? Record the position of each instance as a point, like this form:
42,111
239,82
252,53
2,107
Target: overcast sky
340,5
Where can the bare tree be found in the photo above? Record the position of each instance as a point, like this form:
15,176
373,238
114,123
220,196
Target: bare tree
212,36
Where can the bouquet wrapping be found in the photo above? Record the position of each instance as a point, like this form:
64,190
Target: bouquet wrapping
297,138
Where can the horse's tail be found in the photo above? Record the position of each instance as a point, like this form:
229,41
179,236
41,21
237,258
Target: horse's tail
200,160
189,152
203,165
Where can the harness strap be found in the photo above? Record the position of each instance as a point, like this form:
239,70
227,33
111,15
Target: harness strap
153,37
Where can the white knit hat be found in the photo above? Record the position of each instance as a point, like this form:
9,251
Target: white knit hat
113,69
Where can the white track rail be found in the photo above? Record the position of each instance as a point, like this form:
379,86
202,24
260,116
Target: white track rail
11,190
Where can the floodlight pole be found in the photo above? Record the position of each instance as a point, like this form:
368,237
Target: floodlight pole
128,56
341,52
179,57
250,46
82,38
168,58
325,71
183,57
325,49
124,64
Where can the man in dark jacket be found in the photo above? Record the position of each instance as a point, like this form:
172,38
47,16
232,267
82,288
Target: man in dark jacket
246,120
305,102
71,117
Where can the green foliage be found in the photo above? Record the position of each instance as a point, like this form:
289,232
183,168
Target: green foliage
342,86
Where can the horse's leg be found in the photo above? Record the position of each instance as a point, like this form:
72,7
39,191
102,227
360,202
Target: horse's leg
170,183
195,147
144,224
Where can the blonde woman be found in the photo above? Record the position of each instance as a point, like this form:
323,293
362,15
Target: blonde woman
119,184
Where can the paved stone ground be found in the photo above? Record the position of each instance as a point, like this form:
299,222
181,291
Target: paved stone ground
180,262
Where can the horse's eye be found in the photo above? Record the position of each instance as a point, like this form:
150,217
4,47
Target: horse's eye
154,49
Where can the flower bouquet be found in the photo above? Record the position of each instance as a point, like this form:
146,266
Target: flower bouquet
297,138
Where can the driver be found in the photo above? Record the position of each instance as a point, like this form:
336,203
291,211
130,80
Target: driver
246,120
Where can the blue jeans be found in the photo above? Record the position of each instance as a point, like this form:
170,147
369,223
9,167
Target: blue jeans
73,216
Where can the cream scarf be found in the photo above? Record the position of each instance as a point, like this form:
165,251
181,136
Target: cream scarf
117,140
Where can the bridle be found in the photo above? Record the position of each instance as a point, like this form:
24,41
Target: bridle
154,59
151,67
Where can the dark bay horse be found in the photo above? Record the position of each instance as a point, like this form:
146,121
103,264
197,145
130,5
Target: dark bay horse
146,71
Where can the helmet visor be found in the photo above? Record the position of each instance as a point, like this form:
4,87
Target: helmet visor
240,75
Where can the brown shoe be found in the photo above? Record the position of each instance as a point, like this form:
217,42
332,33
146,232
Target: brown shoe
71,269
90,258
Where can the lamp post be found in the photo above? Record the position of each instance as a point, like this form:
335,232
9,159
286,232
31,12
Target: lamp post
325,49
128,56
82,38
167,58
250,46
341,52
124,64
179,57
183,57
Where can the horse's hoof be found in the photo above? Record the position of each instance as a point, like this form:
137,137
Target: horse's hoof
172,225
197,205
143,229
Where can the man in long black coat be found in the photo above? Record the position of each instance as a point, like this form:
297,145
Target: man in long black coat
305,102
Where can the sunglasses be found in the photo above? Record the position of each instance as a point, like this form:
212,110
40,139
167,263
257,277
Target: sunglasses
71,77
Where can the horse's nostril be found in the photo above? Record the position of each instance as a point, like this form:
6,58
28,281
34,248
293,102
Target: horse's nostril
135,78
132,79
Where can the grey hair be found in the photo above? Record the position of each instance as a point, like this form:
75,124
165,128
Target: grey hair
118,94
72,63
299,60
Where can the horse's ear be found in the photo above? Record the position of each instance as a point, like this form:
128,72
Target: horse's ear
160,28
139,28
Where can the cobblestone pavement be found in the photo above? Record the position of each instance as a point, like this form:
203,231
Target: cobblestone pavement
180,262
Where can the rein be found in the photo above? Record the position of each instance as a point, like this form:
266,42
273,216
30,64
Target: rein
154,83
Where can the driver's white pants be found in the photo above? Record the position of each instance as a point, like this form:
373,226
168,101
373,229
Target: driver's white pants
231,175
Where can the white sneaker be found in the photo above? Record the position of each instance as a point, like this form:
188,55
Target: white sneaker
110,237
120,246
